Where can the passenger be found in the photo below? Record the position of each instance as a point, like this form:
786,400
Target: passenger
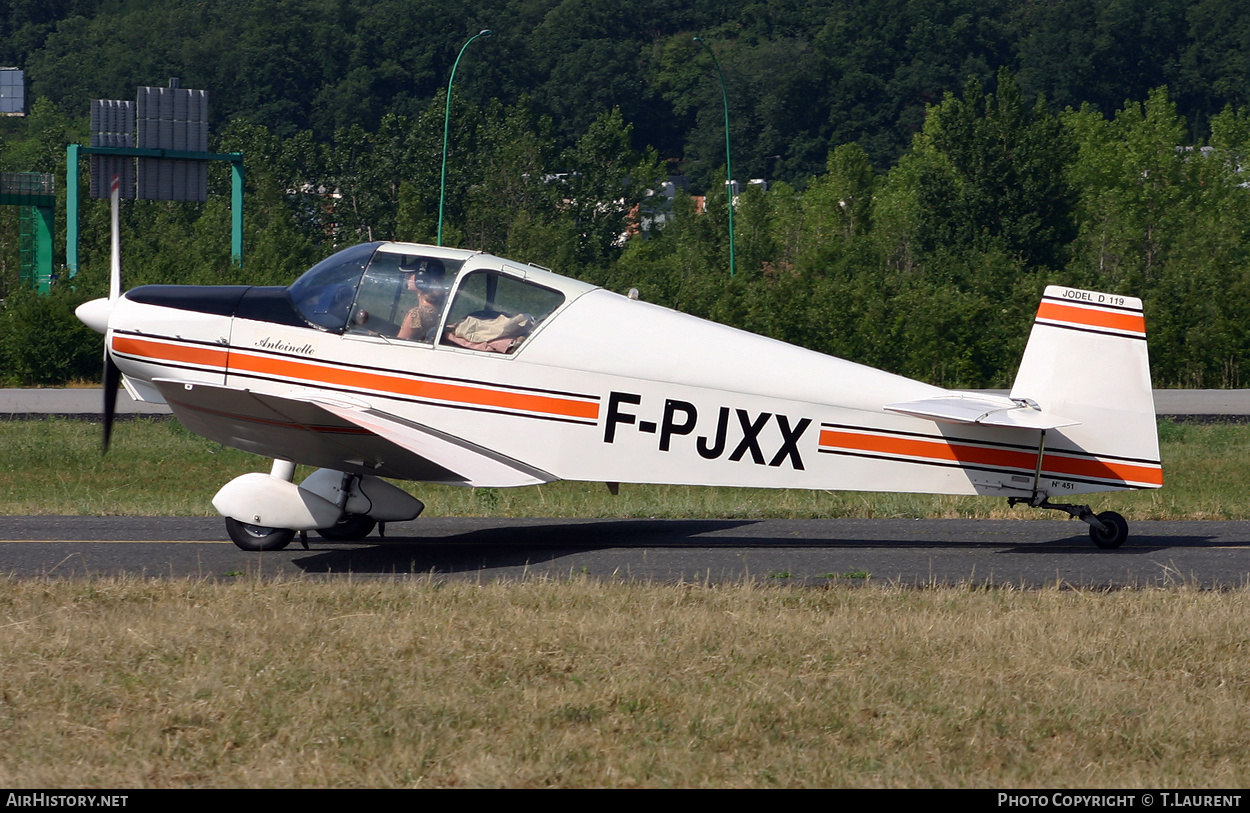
426,278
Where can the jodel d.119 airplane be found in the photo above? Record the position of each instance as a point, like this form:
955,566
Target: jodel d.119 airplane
405,361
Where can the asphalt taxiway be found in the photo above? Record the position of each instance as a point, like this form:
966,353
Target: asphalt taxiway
1024,553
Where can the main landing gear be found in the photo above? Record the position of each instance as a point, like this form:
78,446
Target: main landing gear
1108,529
351,528
264,511
257,537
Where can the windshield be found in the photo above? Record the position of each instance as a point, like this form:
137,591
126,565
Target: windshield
324,294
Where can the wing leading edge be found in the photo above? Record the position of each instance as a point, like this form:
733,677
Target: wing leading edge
319,431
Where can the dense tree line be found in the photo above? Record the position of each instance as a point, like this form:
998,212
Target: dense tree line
806,74
933,164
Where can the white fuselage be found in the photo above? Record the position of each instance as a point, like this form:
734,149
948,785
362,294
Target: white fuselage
606,389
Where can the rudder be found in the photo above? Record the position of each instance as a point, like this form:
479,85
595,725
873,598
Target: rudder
1086,359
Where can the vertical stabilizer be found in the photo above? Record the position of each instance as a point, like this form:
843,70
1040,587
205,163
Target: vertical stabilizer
1086,359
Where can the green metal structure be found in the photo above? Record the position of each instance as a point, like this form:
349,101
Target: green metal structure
442,183
729,169
74,153
35,193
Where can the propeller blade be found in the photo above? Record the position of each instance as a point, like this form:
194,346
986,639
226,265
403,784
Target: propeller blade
112,375
115,240
112,378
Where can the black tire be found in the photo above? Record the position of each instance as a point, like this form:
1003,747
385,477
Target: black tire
1116,533
348,529
256,537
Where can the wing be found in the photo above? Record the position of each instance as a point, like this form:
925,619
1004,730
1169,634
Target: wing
978,408
338,434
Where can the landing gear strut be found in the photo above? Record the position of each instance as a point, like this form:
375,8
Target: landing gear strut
1108,529
264,511
350,528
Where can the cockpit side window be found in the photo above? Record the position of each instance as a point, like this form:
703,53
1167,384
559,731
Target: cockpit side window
494,312
402,296
323,295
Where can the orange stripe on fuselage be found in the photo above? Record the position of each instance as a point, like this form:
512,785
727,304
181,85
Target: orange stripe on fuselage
1057,466
356,379
928,449
936,450
181,353
434,390
1090,317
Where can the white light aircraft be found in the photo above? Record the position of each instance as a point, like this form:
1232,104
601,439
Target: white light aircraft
411,362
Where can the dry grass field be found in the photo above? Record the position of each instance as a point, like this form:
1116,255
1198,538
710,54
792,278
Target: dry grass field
161,684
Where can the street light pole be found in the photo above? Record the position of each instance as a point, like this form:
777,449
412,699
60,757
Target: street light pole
442,184
729,173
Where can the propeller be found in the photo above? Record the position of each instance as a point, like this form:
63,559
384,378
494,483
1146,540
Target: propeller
112,379
96,313
112,375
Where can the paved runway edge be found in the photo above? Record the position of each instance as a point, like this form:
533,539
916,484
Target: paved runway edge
923,553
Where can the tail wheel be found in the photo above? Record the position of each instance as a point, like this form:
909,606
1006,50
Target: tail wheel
258,537
1116,533
348,529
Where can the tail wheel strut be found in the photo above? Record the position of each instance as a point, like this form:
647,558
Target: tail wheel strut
1107,530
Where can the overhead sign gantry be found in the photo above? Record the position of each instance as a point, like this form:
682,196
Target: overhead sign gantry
158,147
35,193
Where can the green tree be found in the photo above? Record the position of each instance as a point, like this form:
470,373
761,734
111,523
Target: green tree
1098,52
1133,173
1008,187
41,343
834,210
510,193
606,187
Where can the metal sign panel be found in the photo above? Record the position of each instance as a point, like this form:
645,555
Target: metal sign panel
112,125
172,119
12,92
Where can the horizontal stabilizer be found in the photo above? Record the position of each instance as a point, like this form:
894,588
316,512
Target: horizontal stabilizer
977,408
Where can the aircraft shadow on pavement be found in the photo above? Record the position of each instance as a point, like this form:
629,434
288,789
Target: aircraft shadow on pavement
534,545
489,548
1136,545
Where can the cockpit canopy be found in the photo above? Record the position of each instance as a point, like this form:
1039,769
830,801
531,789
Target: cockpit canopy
323,294
427,295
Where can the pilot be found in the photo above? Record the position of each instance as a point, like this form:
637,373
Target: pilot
426,278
